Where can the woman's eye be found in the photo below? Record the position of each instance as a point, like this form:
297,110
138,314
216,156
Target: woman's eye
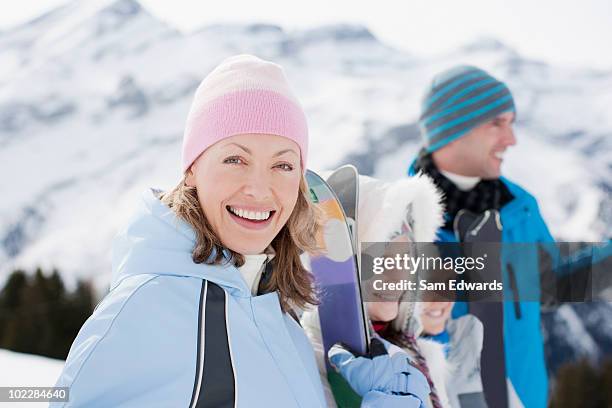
233,160
285,166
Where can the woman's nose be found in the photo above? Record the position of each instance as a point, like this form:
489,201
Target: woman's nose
257,184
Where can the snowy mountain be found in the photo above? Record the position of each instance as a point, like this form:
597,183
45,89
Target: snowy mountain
94,94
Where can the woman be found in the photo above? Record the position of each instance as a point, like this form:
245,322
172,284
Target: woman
206,276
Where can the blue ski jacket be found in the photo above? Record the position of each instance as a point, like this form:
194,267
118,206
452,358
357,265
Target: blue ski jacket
173,333
523,341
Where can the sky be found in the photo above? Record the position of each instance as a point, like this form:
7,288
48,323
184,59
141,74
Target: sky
571,33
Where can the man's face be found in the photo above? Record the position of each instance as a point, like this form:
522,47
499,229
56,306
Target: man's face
480,152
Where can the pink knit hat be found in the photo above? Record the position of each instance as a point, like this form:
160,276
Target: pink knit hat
244,94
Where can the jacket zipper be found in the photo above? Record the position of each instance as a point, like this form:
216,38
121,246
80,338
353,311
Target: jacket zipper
515,291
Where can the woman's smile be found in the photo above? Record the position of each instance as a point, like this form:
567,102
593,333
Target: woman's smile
252,218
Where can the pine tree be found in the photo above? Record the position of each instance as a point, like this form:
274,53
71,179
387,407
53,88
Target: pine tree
38,315
10,301
30,326
77,308
55,295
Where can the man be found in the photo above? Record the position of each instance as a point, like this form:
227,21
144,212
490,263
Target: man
466,123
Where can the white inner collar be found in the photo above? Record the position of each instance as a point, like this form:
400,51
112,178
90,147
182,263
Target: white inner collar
252,268
463,183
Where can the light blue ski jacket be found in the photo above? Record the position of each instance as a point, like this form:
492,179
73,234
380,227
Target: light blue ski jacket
173,333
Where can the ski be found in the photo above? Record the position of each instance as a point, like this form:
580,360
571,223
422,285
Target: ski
341,312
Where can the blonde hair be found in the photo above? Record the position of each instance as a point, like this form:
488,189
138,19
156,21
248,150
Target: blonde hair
289,278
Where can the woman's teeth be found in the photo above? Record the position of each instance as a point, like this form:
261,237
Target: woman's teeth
499,155
250,215
434,313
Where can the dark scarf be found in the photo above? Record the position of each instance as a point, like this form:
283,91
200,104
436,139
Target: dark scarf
486,195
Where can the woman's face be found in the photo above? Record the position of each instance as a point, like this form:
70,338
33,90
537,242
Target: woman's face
434,316
247,186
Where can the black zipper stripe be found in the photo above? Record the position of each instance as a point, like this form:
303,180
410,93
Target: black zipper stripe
218,382
196,380
515,291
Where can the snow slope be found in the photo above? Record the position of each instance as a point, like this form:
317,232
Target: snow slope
25,370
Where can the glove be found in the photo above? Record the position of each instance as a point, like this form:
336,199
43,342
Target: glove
382,379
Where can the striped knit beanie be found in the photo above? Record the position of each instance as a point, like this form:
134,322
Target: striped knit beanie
244,94
459,100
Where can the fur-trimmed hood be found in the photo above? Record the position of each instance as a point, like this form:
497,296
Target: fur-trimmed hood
384,205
